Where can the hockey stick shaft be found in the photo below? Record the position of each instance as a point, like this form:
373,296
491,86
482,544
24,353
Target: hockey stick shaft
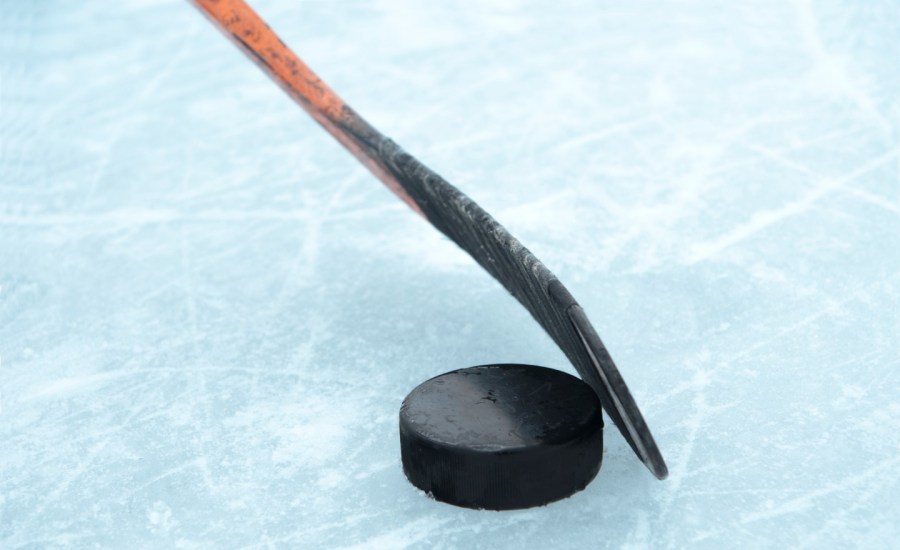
241,24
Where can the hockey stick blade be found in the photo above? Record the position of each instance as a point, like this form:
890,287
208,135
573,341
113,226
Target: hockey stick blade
451,212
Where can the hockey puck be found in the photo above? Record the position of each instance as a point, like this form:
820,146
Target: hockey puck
501,437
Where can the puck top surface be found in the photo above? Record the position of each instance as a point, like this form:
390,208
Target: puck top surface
501,436
499,407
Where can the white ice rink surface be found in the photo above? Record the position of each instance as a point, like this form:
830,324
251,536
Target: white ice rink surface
210,313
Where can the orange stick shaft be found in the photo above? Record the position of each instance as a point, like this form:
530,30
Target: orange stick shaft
249,32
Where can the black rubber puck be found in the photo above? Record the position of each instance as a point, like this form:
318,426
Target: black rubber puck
501,437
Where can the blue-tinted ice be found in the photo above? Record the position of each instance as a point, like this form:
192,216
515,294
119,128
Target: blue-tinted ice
209,313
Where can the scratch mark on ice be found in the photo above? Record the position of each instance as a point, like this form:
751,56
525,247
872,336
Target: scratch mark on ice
767,218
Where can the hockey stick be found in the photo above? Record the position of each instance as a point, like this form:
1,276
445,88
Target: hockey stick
451,212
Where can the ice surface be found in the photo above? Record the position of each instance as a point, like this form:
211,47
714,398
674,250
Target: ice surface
209,313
